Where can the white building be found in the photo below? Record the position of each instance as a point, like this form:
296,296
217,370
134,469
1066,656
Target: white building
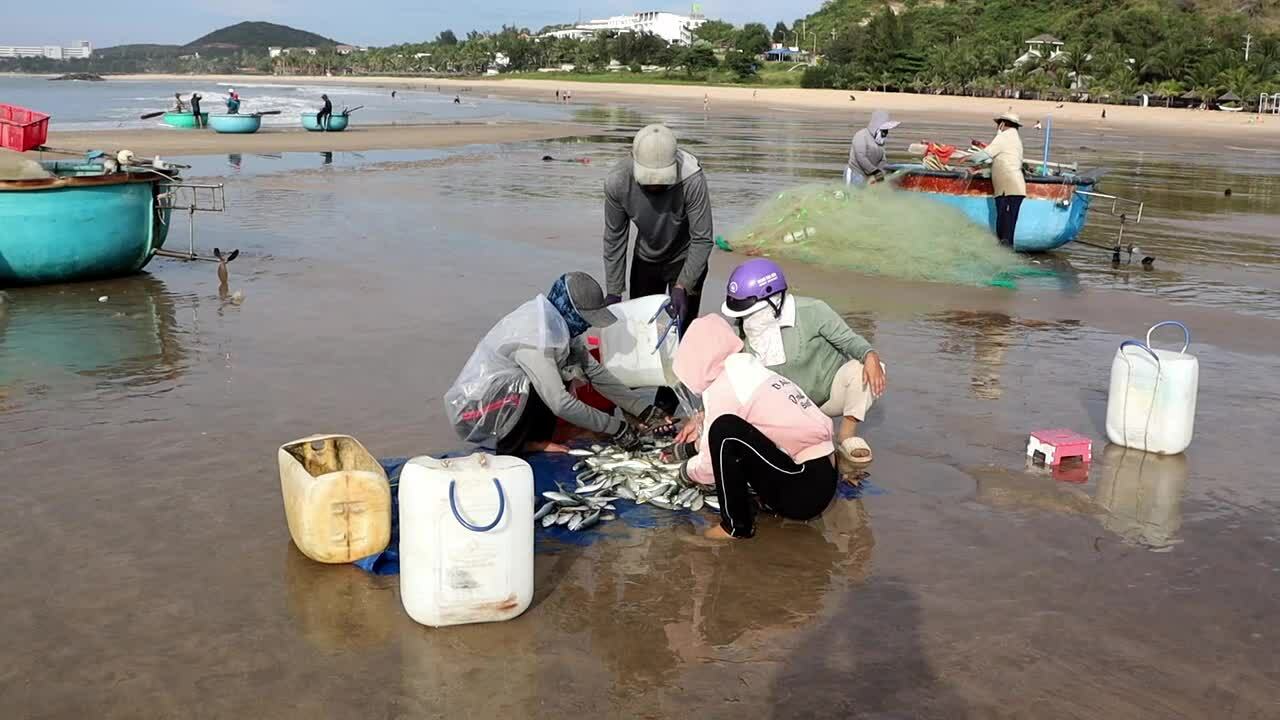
1041,47
675,29
81,50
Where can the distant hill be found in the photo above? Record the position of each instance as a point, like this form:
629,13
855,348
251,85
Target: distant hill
259,36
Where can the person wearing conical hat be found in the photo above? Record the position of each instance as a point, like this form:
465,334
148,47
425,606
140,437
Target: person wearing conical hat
1005,155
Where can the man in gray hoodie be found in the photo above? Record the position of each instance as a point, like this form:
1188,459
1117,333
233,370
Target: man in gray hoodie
866,155
663,191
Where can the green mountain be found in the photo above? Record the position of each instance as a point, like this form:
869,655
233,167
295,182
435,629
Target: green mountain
259,36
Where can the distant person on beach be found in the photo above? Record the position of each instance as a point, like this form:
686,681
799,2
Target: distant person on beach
178,105
195,109
557,96
663,192
233,102
326,112
706,103
393,94
805,341
1005,156
866,153
457,99
759,440
512,391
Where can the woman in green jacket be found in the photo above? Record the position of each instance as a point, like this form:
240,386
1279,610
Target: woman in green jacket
805,341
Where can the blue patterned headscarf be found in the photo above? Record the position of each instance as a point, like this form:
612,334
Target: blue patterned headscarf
559,298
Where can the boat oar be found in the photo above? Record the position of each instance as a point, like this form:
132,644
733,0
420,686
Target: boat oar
348,112
577,161
269,112
148,116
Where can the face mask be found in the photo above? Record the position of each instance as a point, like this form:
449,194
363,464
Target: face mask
764,334
559,299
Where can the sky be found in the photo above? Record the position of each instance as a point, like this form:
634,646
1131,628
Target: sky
367,22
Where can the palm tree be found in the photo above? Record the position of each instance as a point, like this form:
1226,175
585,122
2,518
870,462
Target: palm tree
1239,80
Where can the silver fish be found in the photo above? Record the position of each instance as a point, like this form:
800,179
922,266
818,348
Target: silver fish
593,487
588,521
577,452
698,502
549,520
564,518
545,510
560,497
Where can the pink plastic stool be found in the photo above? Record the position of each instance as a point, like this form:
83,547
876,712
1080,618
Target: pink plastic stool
1057,445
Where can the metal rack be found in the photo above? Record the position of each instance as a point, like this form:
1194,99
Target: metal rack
1120,208
192,198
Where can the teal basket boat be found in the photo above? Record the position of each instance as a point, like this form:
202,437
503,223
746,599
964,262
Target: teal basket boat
235,124
83,223
335,123
185,120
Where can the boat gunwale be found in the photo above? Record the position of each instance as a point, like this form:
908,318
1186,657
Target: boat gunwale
105,180
921,171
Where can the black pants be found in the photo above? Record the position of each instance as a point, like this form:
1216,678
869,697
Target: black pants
195,111
536,424
744,460
322,118
658,278
1007,207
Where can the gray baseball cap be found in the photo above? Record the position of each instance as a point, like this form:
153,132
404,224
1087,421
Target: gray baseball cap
654,153
588,299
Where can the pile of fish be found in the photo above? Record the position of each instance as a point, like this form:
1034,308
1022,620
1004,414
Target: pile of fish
609,474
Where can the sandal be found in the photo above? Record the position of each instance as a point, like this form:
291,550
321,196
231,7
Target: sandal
852,445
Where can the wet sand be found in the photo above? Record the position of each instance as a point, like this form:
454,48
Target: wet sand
154,577
1246,127
171,142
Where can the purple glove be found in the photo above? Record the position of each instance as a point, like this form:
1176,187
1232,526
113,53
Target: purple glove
679,306
612,299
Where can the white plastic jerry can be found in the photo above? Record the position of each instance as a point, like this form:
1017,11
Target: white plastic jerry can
466,539
337,500
639,348
1152,402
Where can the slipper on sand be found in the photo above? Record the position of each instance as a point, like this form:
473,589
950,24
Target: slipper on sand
852,445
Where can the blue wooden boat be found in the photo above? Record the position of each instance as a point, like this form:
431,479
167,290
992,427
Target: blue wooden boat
235,124
336,123
1052,215
80,224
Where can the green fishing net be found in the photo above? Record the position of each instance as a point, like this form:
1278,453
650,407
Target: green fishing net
877,231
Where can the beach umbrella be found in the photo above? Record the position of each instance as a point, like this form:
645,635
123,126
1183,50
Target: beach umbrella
1229,97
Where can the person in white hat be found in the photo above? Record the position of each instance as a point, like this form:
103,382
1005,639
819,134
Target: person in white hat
1004,154
663,192
866,154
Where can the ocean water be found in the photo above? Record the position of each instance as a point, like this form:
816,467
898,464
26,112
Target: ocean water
111,104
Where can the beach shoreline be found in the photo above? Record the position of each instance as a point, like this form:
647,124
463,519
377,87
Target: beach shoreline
162,141
1175,122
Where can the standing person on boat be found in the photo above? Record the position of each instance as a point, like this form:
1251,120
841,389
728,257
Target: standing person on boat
663,192
178,105
866,152
805,341
759,438
1005,156
195,109
233,102
322,117
512,390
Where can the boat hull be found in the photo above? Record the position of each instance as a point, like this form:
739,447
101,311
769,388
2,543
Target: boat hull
1052,215
78,232
235,124
185,120
336,123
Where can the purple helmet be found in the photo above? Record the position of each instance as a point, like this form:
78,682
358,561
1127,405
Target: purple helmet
753,282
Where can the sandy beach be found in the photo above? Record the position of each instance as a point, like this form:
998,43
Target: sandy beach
375,137
1245,127
141,417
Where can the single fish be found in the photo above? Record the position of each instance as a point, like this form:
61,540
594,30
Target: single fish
545,510
659,502
549,520
593,487
698,502
560,497
713,502
588,521
578,452
564,518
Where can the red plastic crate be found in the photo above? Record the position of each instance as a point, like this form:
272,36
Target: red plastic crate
22,129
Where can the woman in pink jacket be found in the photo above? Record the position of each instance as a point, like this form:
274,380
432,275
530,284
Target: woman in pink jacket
759,433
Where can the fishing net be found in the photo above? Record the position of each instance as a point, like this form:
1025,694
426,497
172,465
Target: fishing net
878,231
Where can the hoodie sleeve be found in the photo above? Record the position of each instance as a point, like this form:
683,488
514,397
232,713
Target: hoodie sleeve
866,157
617,231
545,378
701,230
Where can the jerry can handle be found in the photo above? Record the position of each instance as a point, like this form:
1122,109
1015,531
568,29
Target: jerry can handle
1186,334
1139,344
453,505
